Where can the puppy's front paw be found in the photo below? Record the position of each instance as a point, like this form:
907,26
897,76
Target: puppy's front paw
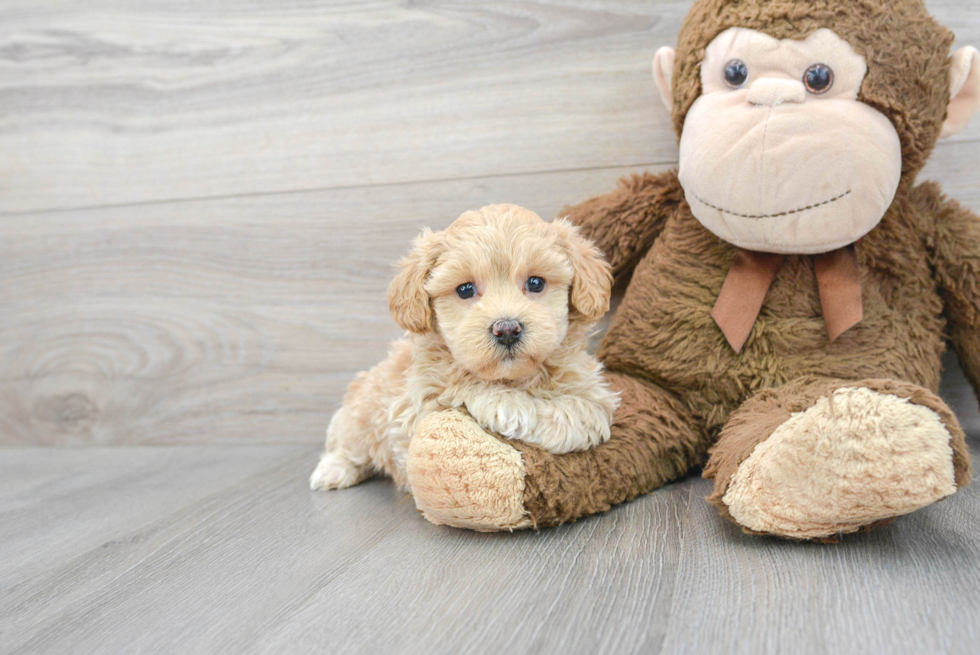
510,414
336,472
513,424
514,417
565,428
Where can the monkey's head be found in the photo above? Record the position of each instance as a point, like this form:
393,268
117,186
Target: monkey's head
799,121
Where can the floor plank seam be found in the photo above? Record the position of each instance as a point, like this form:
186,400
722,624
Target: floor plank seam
328,189
682,554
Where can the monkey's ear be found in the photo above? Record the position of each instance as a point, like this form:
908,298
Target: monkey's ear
408,300
663,75
592,277
964,91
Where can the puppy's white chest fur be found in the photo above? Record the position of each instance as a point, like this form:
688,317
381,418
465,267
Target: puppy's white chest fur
563,406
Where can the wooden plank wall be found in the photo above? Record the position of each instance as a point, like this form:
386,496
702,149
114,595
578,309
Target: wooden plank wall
199,202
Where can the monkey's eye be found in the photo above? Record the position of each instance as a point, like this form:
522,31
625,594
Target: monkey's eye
535,284
818,79
466,291
736,72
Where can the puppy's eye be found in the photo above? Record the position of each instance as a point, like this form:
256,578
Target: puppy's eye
466,291
535,284
736,72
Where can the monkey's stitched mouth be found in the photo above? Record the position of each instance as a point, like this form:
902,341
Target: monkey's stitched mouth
789,213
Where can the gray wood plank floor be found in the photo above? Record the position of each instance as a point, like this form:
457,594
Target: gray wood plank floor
213,549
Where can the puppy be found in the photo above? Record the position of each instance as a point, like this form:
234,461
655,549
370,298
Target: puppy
497,307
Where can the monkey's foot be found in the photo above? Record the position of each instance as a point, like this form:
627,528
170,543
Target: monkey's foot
853,459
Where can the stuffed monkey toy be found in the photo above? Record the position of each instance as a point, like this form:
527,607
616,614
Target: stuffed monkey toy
791,288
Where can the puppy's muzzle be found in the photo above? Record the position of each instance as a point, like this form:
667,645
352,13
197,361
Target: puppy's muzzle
507,332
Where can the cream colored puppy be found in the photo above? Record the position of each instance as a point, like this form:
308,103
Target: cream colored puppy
498,307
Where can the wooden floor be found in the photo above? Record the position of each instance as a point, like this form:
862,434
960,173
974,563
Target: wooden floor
206,549
199,205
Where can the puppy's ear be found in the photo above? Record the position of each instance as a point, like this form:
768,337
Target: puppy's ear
407,298
592,282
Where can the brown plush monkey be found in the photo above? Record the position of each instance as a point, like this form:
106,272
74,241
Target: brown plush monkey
791,291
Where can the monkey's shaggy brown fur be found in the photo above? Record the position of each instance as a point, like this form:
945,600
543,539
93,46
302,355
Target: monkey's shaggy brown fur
680,379
681,382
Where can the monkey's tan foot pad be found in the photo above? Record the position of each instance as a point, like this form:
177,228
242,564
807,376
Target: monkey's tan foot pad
464,477
855,458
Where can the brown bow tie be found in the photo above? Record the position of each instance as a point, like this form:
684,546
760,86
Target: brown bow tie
748,282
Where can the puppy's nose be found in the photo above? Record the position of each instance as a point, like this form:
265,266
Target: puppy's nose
507,331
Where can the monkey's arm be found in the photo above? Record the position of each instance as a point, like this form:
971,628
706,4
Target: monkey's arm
956,259
625,223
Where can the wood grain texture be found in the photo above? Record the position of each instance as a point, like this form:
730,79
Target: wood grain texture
234,320
910,588
214,549
109,102
264,565
58,504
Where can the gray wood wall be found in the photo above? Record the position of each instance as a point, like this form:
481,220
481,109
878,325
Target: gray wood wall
200,201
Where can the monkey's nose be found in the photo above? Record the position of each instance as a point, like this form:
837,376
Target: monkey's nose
770,92
507,331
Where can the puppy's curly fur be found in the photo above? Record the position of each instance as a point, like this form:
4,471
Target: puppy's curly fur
543,388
